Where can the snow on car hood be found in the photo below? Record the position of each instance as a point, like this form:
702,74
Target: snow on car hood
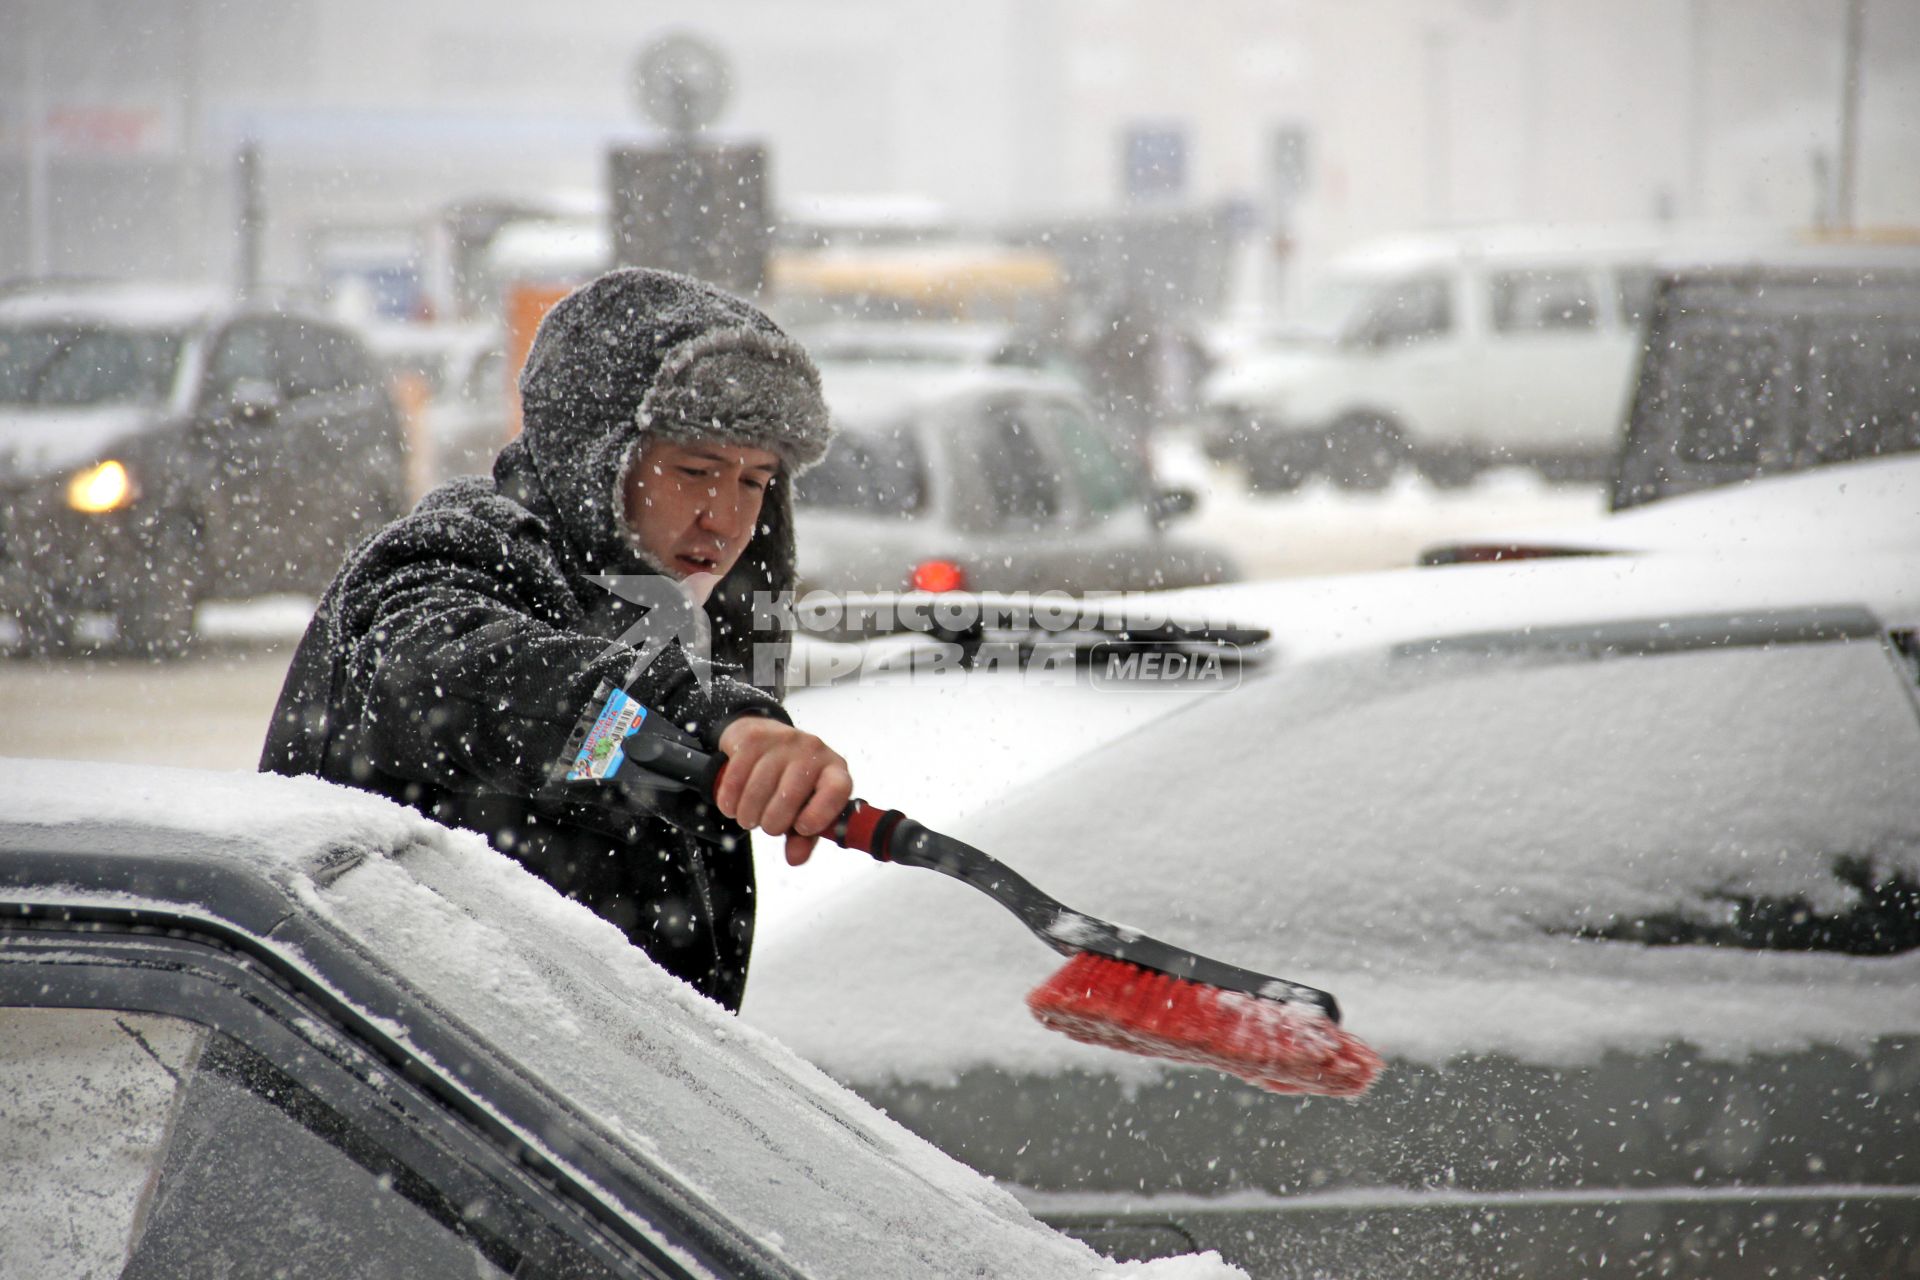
818,1177
1861,505
36,443
1423,837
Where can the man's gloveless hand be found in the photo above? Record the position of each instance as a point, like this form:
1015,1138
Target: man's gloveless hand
783,781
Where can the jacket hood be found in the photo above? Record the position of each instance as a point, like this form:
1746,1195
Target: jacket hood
638,354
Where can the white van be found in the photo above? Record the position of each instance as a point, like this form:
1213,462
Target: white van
1449,351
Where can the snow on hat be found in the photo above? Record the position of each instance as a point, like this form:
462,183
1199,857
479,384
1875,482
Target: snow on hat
682,359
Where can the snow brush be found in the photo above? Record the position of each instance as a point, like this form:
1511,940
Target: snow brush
1119,989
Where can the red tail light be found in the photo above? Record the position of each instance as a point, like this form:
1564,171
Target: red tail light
938,575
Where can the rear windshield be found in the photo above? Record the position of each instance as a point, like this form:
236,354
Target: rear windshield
80,365
1735,393
1865,389
877,472
1828,390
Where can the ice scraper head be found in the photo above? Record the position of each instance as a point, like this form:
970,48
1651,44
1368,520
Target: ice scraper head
1282,1045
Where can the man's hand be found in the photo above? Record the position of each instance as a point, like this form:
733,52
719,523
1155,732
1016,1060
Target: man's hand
782,781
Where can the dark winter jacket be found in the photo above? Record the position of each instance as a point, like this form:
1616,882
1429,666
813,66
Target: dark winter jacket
457,649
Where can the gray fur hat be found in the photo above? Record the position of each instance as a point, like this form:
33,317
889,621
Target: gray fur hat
685,361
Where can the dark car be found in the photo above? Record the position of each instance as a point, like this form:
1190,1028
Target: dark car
160,447
1775,364
259,1026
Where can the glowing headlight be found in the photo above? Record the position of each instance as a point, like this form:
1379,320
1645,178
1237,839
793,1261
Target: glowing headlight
106,487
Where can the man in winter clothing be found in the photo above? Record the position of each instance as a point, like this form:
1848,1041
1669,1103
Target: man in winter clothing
457,649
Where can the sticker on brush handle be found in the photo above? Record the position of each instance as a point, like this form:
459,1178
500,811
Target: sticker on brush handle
601,754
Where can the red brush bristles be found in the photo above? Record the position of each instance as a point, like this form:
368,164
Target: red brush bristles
1278,1045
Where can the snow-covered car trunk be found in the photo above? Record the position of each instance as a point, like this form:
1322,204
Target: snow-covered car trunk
1616,862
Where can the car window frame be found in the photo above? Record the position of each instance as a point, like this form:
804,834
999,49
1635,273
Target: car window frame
200,979
1502,282
219,975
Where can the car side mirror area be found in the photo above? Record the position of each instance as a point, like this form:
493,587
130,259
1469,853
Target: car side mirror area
1167,505
251,402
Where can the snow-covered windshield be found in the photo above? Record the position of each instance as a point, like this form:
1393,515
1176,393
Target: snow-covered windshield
78,365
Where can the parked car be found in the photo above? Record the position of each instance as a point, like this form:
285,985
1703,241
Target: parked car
1861,506
983,479
1771,364
165,446
1614,859
253,1025
1450,352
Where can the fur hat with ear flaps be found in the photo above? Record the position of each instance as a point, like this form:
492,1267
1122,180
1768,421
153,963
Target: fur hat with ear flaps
640,354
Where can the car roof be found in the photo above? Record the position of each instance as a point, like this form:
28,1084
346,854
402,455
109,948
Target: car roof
1205,828
1807,262
865,393
460,955
956,340
139,305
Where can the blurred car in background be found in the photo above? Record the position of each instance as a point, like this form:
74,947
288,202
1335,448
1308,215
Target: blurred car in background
985,479
1772,364
1450,352
258,1025
160,447
451,384
940,344
1615,860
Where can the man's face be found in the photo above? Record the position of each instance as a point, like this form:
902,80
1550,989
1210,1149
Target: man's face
694,506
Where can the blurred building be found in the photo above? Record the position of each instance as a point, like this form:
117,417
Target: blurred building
1318,122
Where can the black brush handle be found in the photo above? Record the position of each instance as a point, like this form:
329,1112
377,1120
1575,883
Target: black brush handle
887,835
1070,932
